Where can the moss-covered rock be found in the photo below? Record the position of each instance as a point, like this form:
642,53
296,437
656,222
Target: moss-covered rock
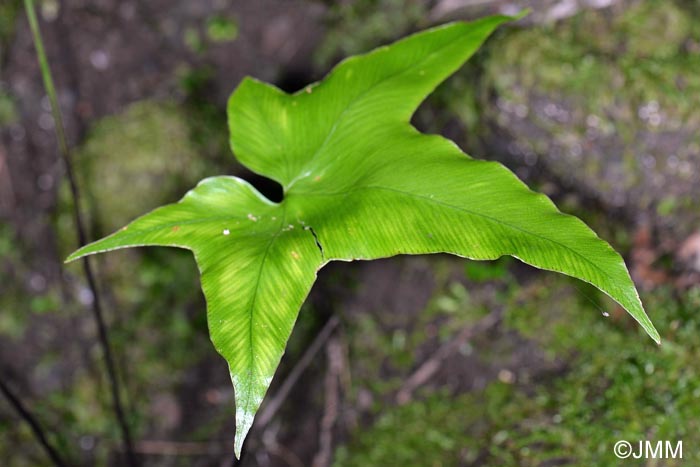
608,101
137,160
131,163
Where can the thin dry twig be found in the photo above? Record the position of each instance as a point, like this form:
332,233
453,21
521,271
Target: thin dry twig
179,448
291,459
334,353
37,430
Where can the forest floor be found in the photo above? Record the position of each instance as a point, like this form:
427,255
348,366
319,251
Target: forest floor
421,360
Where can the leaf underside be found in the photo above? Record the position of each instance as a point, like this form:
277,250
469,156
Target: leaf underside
359,183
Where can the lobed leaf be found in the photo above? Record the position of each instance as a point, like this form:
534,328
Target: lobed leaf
359,183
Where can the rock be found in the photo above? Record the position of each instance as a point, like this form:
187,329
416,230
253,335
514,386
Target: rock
609,103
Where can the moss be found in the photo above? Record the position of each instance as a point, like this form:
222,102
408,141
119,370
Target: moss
654,29
614,384
433,430
221,29
568,63
8,110
666,206
618,385
215,29
606,66
9,11
193,40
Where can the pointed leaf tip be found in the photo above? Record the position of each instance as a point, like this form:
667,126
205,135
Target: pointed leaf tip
77,254
240,437
522,14
244,422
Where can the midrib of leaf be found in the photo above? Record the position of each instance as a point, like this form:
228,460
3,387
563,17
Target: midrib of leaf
642,319
251,353
351,104
139,232
468,211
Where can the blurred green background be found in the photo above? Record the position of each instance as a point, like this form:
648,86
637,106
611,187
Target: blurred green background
594,102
